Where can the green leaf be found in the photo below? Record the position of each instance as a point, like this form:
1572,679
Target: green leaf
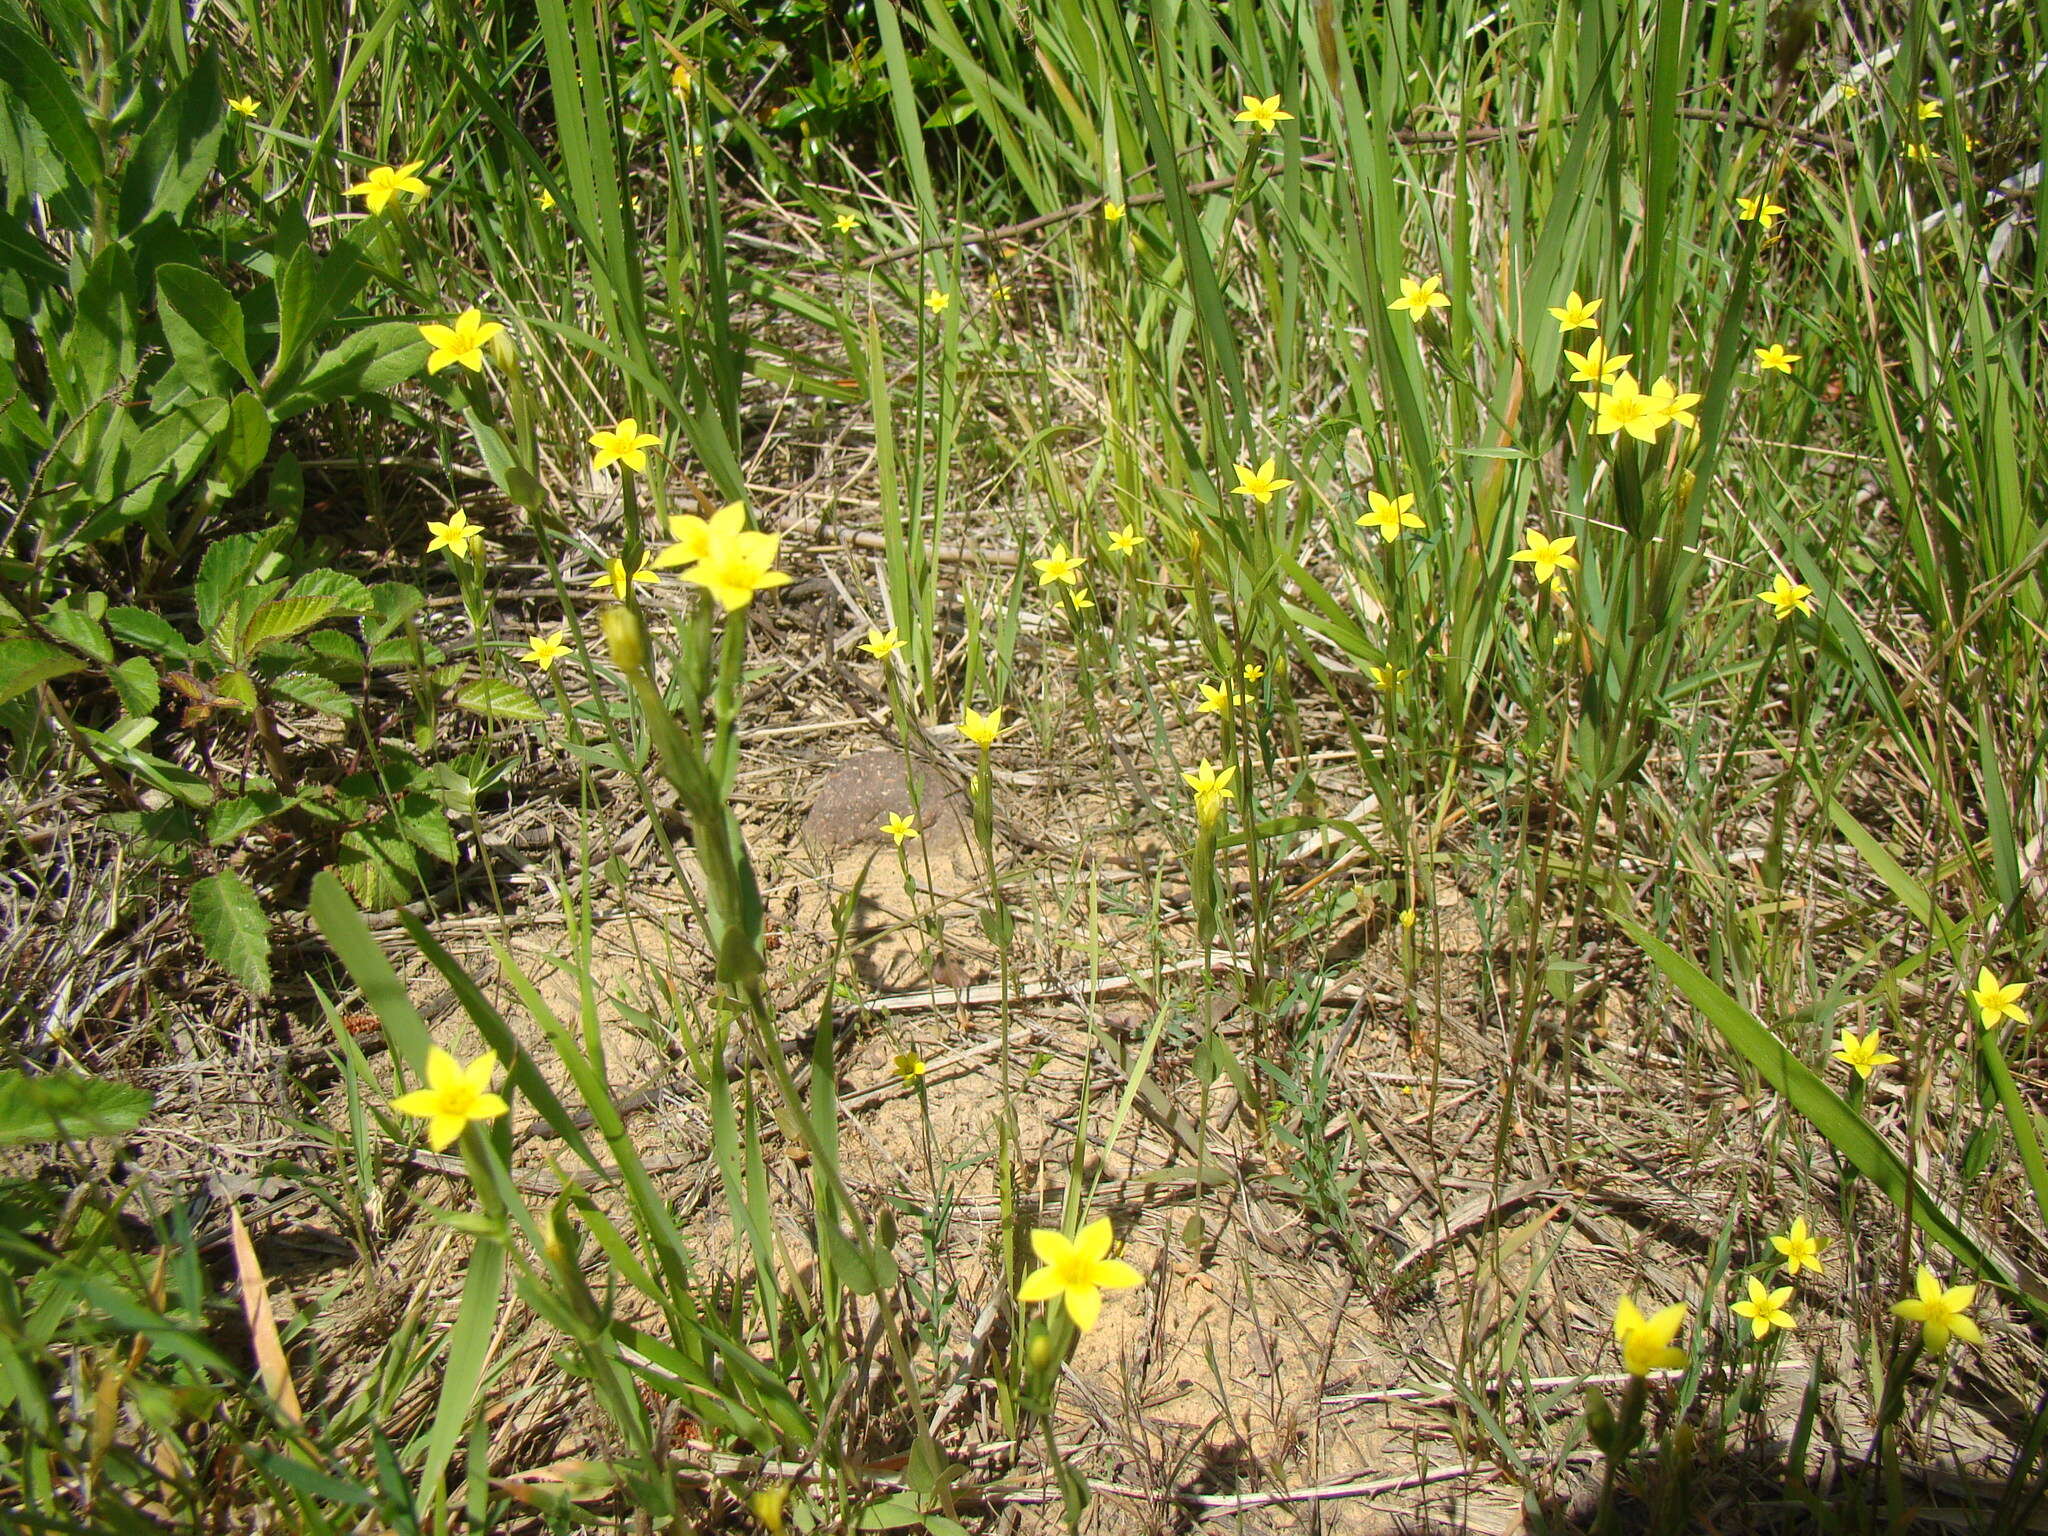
136,682
239,449
160,460
309,690
60,1106
496,699
75,622
424,821
229,567
25,662
229,819
367,363
282,619
311,291
347,593
232,928
146,631
378,868
1824,1109
204,326
102,346
177,151
31,72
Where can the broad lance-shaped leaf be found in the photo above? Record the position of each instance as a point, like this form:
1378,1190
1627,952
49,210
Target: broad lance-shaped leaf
1846,1131
232,928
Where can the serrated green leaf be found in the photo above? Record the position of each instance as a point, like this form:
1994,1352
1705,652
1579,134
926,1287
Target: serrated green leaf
309,690
81,629
61,1106
496,699
146,631
282,619
136,683
378,868
229,819
26,661
232,928
228,568
348,594
425,824
204,326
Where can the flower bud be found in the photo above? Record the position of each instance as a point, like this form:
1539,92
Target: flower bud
767,1505
1038,1350
623,635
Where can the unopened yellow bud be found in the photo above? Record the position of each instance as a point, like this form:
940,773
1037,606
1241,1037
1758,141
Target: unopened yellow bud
767,1505
623,635
1038,1351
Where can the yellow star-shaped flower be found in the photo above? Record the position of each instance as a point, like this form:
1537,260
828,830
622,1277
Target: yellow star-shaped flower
846,223
1211,786
1388,676
1775,358
1575,314
1997,999
883,643
1389,514
1111,212
1077,1272
1765,1308
1863,1052
459,536
1419,298
908,1065
694,535
1676,404
463,342
683,78
546,650
902,828
1623,407
1260,484
1126,540
614,575
981,729
544,200
1263,113
1760,209
1786,597
244,106
1253,671
1596,365
1059,566
454,1096
737,563
1942,1314
624,444
1799,1248
1217,700
1646,1342
387,181
1926,111
1548,555
937,300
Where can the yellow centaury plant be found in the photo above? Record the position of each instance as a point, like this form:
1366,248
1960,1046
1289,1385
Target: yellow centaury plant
1943,1315
386,182
463,342
454,1096
1646,1341
1077,1272
459,536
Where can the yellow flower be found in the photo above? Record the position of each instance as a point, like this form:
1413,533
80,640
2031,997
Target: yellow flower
1941,1314
1799,1248
1212,787
1997,1000
386,182
1595,365
683,78
614,576
454,1096
1862,1054
1217,700
908,1065
1264,115
1548,555
1775,357
463,342
694,535
1389,676
1111,212
1761,209
846,223
1126,540
1259,484
1675,404
902,828
737,563
1389,515
1765,1308
544,200
1646,1342
1576,314
1000,292
1081,600
459,536
1851,91
767,1504
1418,299
1625,408
1253,671
937,300
1926,111
1077,1272
1786,597
982,730
623,444
245,106
882,644
1917,151
1059,566
546,650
